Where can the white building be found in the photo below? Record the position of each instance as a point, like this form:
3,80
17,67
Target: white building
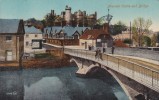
95,38
33,40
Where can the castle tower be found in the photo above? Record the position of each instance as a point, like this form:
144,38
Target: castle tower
68,15
52,12
95,14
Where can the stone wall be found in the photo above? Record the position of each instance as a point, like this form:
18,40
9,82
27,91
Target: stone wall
62,42
7,45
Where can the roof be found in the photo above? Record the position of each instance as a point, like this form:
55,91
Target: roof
32,30
47,30
92,34
56,29
69,30
80,30
9,25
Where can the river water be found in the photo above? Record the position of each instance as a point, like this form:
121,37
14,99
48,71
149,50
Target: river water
57,84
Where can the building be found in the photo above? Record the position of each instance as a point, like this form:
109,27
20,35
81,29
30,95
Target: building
96,38
122,36
33,40
78,18
57,32
66,35
11,39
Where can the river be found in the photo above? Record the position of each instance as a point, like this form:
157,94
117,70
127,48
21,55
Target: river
57,84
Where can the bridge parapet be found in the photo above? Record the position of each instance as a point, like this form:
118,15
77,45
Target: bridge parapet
142,74
137,52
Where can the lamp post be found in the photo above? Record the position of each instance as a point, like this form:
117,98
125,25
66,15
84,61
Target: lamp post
64,34
108,19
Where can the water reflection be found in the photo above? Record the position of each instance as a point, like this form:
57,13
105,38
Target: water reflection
57,84
11,85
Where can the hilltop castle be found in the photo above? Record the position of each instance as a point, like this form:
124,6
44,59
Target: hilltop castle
78,18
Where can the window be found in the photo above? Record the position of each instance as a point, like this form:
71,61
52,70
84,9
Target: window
82,44
27,43
27,35
8,38
36,35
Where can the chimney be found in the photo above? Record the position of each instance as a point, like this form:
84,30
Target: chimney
95,15
52,12
105,27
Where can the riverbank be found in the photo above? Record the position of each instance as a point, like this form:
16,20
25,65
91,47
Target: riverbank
46,63
40,62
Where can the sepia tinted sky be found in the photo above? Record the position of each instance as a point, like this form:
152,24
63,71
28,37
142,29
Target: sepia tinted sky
124,10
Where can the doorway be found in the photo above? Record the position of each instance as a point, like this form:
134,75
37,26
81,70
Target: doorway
9,55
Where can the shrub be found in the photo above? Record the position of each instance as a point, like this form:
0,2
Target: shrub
127,41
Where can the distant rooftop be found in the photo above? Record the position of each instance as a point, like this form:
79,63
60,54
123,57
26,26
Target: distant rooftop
32,30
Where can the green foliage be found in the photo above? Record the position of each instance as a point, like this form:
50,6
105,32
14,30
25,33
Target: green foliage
158,37
154,40
118,28
146,41
135,35
140,26
50,19
127,41
43,55
44,22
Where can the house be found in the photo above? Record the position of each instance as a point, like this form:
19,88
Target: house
58,32
71,32
122,36
11,40
95,38
33,40
66,35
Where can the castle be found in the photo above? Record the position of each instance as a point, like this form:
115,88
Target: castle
78,18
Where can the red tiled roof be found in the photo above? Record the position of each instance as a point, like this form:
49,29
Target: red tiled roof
92,34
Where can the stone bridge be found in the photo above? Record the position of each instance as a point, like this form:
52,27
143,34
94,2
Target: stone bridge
147,77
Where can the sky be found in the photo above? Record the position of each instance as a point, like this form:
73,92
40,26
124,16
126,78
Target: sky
122,10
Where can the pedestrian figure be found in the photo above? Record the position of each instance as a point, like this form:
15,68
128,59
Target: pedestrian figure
92,47
97,54
100,55
89,47
103,50
113,49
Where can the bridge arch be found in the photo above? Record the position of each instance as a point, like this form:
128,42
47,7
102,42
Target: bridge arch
89,69
84,66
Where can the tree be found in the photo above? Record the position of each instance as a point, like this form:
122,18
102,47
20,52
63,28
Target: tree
50,18
127,41
146,41
140,26
158,37
118,28
154,40
44,22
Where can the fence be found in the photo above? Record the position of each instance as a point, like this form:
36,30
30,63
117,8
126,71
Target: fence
62,42
139,73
